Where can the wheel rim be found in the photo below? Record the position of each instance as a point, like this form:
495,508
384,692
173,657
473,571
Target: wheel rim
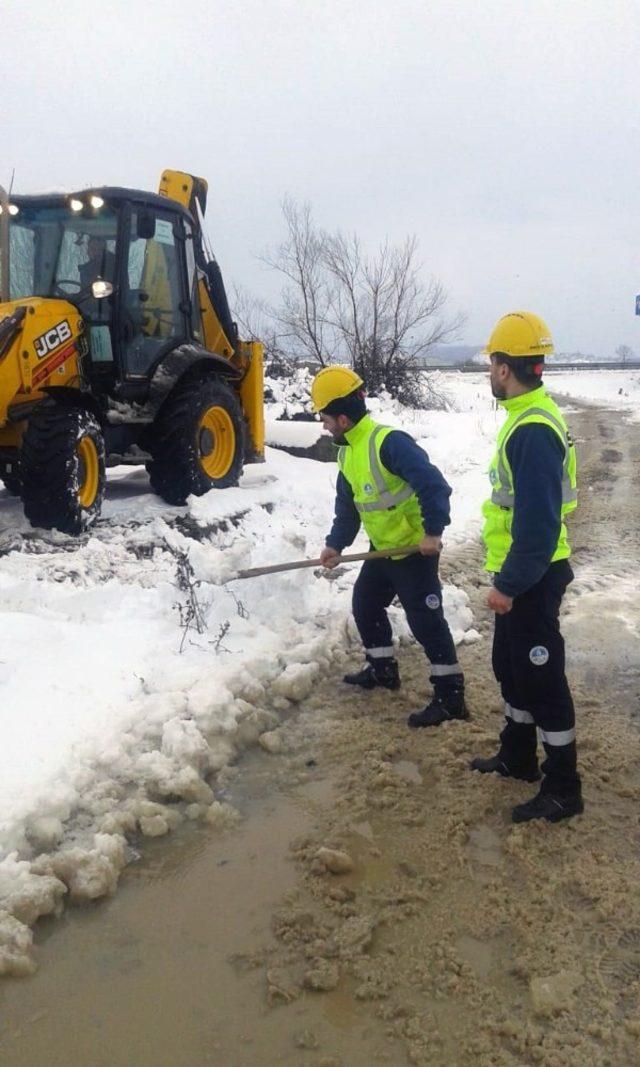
216,442
88,471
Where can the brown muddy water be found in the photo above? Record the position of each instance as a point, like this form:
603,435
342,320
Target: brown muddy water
170,971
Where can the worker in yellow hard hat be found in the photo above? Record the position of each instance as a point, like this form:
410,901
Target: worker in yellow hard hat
387,483
533,490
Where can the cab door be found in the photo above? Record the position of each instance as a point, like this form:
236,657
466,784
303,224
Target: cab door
155,304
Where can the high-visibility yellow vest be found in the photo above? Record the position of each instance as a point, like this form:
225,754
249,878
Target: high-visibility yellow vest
387,505
535,406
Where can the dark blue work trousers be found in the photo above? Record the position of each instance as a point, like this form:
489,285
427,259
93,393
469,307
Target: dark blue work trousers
415,582
529,664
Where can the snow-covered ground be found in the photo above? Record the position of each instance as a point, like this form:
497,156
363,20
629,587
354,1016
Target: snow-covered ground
615,388
134,668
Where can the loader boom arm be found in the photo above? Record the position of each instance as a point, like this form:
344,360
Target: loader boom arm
219,329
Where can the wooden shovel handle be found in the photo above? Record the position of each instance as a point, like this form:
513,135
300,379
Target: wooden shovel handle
381,553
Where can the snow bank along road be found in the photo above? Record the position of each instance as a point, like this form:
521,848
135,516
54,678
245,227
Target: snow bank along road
116,733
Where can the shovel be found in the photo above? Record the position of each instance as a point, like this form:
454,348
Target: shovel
382,553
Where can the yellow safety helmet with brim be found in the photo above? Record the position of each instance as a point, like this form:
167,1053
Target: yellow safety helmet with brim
333,383
520,333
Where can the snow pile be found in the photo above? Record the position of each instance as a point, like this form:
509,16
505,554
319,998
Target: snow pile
289,397
298,434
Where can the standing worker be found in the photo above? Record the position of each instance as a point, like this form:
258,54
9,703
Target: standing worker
387,482
533,483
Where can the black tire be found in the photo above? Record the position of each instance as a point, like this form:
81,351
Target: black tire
187,457
63,469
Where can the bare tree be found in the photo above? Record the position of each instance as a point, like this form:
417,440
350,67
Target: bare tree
251,314
374,313
258,322
306,299
624,354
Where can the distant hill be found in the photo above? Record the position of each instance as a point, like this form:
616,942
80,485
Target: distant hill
452,355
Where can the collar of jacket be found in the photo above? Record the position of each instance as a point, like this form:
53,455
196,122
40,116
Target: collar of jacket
361,429
525,400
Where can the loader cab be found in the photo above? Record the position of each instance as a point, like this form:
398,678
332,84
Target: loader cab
142,245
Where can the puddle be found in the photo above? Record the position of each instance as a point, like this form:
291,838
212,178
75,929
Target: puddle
319,791
169,972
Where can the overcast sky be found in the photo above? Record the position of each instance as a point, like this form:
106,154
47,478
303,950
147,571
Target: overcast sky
504,134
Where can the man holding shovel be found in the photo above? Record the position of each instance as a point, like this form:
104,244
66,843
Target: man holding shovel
387,483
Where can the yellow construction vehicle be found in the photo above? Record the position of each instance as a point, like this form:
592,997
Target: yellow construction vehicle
117,346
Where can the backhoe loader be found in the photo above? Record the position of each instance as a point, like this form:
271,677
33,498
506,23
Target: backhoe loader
117,345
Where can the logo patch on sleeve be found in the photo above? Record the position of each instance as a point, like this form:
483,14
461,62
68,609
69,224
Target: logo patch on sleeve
433,601
539,655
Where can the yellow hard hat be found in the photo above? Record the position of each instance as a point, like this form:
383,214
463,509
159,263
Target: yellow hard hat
332,383
520,333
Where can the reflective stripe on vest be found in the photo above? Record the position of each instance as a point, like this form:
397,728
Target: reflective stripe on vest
387,499
505,497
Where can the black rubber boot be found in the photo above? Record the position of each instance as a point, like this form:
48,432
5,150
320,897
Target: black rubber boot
446,705
550,806
378,672
497,765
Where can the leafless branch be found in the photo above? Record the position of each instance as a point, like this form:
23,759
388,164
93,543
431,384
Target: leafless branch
374,312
